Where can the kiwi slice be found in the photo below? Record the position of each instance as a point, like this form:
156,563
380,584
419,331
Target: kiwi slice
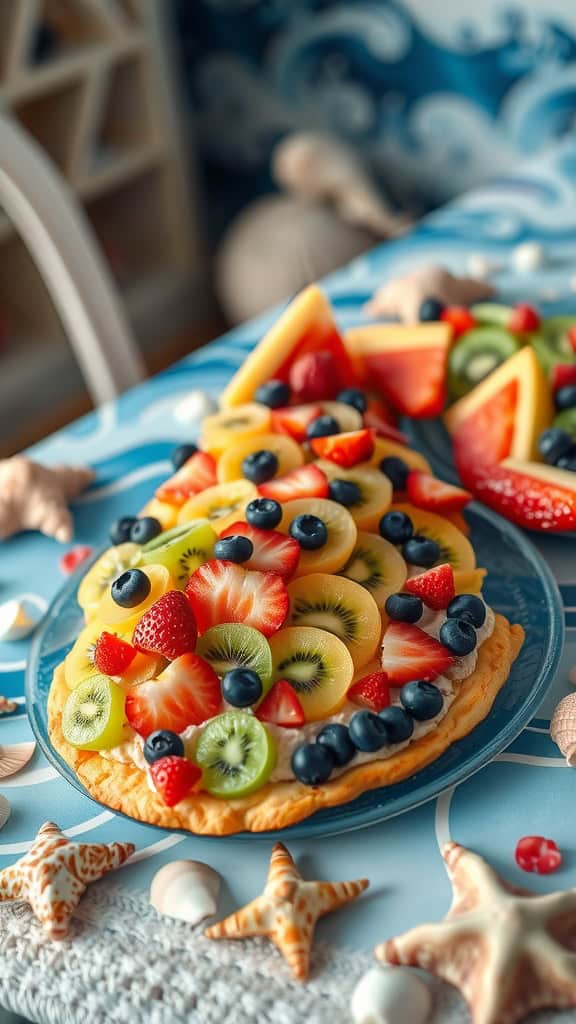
491,313
182,549
339,606
97,580
551,344
317,664
478,353
234,645
93,716
566,420
236,753
455,548
377,566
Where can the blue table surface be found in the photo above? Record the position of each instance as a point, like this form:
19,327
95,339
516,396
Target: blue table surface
528,790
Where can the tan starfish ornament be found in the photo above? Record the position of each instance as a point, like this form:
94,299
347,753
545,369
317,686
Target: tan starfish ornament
508,950
403,296
35,497
55,873
287,910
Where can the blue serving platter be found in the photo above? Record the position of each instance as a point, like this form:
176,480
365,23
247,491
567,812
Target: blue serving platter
519,585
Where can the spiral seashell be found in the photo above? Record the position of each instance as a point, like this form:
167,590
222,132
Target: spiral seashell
185,889
390,995
4,810
14,756
563,728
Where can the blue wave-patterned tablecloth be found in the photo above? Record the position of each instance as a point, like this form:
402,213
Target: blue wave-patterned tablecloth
527,791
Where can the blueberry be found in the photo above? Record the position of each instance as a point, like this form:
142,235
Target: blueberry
181,454
260,466
568,461
309,531
312,763
565,397
264,513
430,309
404,607
323,426
396,527
234,549
458,636
553,444
162,743
353,397
131,588
145,529
421,551
337,738
422,700
345,492
398,723
241,687
396,470
469,607
274,394
367,731
120,529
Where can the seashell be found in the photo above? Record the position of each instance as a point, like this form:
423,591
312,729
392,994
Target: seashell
527,256
185,889
390,995
14,757
7,705
16,620
4,810
194,407
563,728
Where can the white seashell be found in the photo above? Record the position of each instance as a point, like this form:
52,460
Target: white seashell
527,256
572,675
186,889
4,810
194,407
563,728
16,620
14,757
478,265
390,995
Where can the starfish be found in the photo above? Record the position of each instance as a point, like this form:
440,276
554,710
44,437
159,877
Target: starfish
508,950
55,873
35,497
287,910
403,296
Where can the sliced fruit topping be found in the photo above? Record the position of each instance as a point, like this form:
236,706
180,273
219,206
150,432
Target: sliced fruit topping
354,397
309,532
241,687
112,655
491,313
168,627
111,613
312,763
272,551
163,511
273,393
263,513
396,527
144,529
469,582
458,636
454,547
317,665
422,700
346,416
314,376
79,662
368,731
186,693
246,459
377,566
174,779
552,342
341,528
181,549
220,505
371,692
383,448
195,476
524,319
565,397
421,551
99,577
409,653
404,607
469,607
120,529
372,492
131,588
222,429
234,645
323,427
93,716
460,319
236,753
282,707
182,453
162,743
336,738
339,606
381,420
295,420
530,494
477,355
396,470
427,492
305,482
224,592
435,587
563,375
234,548
71,560
345,450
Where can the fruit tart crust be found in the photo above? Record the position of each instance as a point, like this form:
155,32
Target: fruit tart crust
124,787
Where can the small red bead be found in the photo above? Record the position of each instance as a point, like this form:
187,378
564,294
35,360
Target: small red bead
537,854
524,318
73,558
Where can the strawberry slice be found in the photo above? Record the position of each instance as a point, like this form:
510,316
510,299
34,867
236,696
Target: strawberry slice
186,693
313,377
571,335
167,628
372,691
563,374
346,449
70,561
295,420
273,551
408,653
425,491
174,778
112,655
435,586
282,707
531,494
460,319
198,473
379,418
523,319
221,591
303,482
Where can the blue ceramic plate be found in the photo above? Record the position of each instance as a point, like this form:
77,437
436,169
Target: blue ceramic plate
519,585
432,439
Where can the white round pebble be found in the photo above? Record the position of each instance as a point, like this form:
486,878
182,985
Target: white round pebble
572,675
390,995
527,256
478,265
194,407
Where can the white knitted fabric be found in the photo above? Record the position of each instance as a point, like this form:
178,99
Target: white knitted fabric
125,964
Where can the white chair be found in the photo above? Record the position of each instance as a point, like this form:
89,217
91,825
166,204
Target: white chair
45,214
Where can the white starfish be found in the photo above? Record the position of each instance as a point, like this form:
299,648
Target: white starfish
403,296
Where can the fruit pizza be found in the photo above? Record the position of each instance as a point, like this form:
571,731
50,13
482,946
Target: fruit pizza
296,616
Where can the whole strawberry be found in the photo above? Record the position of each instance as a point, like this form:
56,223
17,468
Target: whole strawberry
174,778
168,627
